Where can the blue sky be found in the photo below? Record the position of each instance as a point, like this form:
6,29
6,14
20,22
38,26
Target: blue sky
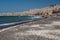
23,5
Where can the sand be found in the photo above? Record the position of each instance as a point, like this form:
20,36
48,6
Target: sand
48,29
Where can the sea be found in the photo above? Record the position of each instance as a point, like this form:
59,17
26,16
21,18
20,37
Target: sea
9,19
6,20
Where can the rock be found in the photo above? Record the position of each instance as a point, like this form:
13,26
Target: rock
46,11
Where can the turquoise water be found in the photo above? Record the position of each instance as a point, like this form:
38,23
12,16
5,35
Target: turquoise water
9,19
12,19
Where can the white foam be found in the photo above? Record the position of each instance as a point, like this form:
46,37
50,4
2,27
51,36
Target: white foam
5,24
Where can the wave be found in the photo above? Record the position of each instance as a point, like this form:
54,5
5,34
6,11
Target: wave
5,24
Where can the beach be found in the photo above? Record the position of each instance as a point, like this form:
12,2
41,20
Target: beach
29,19
47,29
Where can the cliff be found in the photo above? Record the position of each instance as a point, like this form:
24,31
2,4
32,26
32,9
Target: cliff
46,11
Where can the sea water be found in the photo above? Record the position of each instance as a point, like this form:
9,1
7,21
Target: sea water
9,20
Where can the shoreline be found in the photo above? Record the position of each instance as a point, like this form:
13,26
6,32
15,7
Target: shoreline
47,29
24,22
19,23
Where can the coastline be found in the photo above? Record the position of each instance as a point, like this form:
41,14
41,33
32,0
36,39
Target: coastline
47,29
18,23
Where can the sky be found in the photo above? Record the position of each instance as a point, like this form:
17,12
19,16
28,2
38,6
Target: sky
24,5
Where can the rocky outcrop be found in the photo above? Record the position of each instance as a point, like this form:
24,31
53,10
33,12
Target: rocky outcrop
46,11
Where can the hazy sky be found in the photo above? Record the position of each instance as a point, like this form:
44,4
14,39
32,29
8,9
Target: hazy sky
23,5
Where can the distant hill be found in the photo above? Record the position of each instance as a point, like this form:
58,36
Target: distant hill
46,11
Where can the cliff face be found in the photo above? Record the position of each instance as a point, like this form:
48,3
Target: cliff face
46,11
